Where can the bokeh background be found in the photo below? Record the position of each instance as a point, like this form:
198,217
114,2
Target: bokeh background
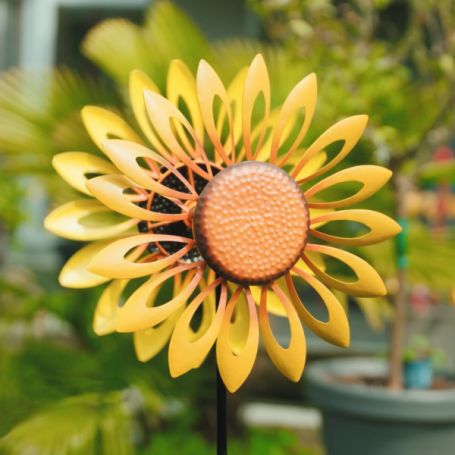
63,389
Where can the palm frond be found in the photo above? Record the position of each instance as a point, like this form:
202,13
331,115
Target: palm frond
91,424
175,35
118,46
69,91
430,258
40,116
24,112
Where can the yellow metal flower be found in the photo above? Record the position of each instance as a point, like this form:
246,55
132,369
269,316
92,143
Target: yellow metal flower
238,221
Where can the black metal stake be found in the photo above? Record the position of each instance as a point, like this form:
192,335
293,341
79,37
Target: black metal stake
221,404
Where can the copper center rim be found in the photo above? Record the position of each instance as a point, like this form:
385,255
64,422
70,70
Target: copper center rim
251,223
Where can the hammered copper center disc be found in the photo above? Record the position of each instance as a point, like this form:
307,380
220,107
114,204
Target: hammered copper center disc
251,223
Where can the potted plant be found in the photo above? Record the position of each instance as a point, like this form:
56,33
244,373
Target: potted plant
420,358
390,59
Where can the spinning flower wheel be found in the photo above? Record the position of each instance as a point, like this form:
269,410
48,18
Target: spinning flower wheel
237,222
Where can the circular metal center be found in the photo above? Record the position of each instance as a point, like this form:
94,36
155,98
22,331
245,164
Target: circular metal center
251,223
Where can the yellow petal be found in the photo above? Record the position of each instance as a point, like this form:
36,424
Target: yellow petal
101,124
313,165
124,155
314,213
85,220
73,167
257,81
183,355
290,361
304,96
209,86
372,177
274,305
348,130
264,152
267,124
136,314
181,84
74,273
149,342
109,190
111,262
208,312
161,111
369,283
240,327
315,258
234,369
108,307
235,95
336,330
381,227
343,299
138,83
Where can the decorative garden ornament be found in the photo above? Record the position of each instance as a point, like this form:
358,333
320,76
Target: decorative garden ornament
238,221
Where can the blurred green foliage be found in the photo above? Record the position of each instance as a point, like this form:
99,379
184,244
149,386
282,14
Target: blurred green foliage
40,116
61,383
257,442
394,60
12,192
90,424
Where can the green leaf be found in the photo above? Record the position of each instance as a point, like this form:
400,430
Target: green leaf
40,116
91,424
118,46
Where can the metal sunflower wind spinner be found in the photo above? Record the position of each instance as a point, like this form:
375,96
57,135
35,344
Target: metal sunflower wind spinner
238,221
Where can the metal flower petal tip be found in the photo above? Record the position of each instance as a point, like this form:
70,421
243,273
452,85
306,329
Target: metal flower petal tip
211,201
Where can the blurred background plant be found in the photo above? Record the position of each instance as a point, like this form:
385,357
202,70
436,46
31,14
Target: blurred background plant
394,60
420,348
391,59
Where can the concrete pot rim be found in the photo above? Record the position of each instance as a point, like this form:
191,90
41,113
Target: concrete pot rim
374,402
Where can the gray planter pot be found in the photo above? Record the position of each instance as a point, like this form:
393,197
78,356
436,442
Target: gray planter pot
363,420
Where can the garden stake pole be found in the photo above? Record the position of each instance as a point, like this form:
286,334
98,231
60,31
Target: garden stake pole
221,404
